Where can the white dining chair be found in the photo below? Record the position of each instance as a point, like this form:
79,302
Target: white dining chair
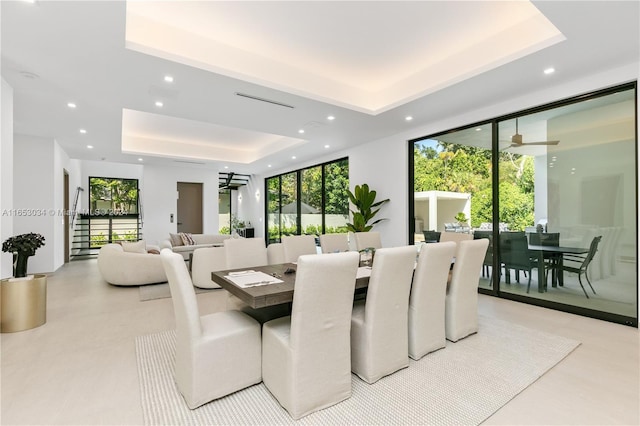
334,243
275,254
204,261
427,299
306,357
248,253
456,237
298,245
245,252
216,354
461,303
362,240
379,324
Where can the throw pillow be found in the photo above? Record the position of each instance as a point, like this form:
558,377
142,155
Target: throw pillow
187,239
137,247
176,240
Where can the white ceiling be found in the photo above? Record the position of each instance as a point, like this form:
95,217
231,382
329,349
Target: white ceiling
369,64
369,56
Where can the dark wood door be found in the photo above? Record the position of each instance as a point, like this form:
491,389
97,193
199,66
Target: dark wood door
189,209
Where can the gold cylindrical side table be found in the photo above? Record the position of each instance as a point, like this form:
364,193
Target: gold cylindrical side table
23,303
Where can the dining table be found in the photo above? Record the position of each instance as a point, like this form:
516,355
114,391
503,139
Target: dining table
557,253
269,285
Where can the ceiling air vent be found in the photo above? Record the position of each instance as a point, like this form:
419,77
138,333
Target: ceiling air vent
269,101
189,162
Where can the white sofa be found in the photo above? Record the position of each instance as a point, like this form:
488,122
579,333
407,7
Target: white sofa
174,243
120,267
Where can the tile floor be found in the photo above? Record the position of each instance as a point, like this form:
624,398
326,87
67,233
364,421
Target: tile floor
80,367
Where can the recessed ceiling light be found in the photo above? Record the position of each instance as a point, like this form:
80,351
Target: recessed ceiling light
293,157
226,167
408,118
478,129
550,70
83,131
301,131
89,146
159,104
268,165
327,146
71,105
140,159
331,117
168,79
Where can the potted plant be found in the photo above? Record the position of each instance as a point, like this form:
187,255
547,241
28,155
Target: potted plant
22,246
23,298
237,225
461,218
365,202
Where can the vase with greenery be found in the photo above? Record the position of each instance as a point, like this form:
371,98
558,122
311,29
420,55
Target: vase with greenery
366,208
22,247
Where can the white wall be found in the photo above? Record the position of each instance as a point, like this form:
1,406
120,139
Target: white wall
382,165
251,207
159,197
6,174
62,163
33,195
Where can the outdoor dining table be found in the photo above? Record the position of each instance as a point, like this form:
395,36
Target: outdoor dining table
559,252
261,295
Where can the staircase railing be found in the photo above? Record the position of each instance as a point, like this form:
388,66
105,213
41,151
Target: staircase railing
75,205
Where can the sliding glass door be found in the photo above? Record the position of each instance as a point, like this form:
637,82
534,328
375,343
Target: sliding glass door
554,189
578,163
452,196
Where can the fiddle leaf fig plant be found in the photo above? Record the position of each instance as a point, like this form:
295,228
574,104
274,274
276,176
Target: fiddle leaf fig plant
22,246
366,208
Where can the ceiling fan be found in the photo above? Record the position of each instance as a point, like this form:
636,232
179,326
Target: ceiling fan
516,140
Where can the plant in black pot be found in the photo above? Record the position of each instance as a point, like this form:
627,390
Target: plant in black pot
22,246
365,202
23,299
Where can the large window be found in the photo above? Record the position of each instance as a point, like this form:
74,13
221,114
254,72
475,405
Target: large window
114,211
549,187
310,201
113,196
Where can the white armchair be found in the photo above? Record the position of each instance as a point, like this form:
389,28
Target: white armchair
216,354
306,356
379,340
124,268
427,299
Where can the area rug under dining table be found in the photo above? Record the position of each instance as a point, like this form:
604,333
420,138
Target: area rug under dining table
462,384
